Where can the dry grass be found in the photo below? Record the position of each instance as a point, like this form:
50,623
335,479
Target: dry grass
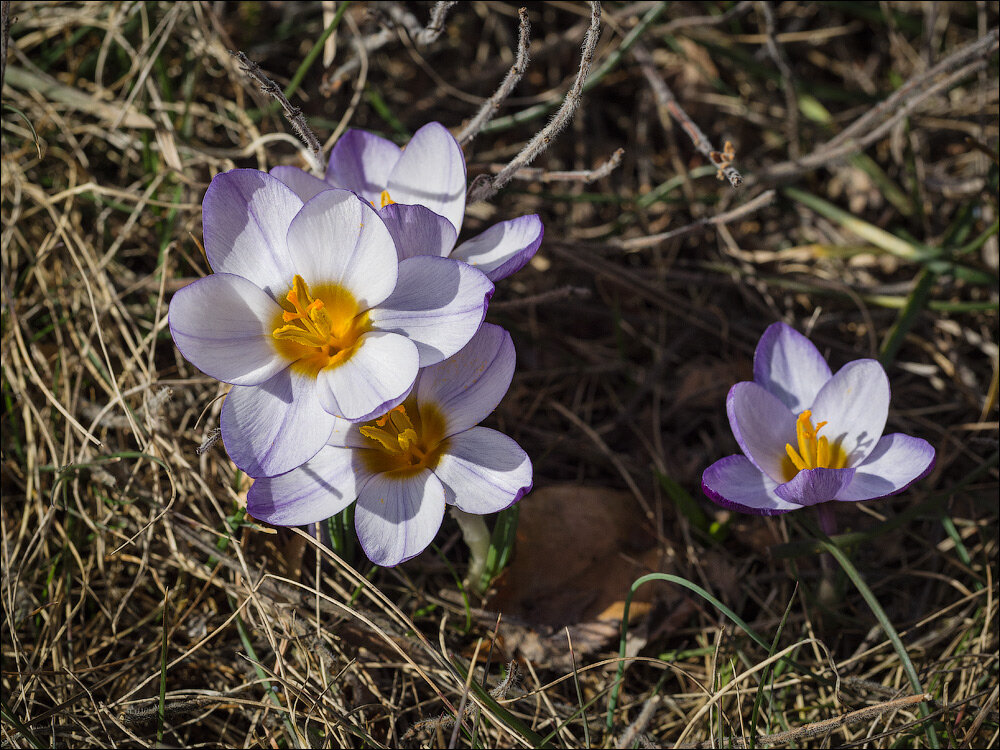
123,582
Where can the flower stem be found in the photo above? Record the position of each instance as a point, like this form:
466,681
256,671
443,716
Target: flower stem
477,537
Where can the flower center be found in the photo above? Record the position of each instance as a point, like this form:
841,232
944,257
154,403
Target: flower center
320,328
403,442
386,200
814,452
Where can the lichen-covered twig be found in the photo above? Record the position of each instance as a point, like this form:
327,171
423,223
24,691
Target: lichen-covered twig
669,108
483,187
292,114
490,107
584,176
435,26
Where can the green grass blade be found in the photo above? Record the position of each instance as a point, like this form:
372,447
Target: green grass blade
915,304
752,737
310,58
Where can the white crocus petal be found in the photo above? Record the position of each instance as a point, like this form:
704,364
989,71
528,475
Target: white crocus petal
789,365
897,462
416,230
337,238
301,182
361,161
431,173
855,405
467,387
316,490
762,425
398,516
438,303
735,483
376,378
246,214
271,428
483,471
222,325
345,434
503,248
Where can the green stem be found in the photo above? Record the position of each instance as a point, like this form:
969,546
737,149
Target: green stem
477,536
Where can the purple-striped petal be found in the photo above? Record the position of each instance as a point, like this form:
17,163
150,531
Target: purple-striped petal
762,425
361,161
897,462
246,214
813,486
376,378
318,489
788,365
438,303
431,173
398,516
503,248
483,471
416,230
337,238
466,388
271,428
735,483
855,404
222,324
301,182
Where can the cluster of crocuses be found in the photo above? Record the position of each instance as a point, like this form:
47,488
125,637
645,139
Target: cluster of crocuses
351,329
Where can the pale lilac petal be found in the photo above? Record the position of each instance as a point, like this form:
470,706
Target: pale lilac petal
301,182
321,487
735,483
762,425
438,304
222,324
417,230
362,161
376,378
503,248
398,516
813,486
855,404
246,214
483,471
431,172
337,238
345,434
271,428
788,365
465,388
897,462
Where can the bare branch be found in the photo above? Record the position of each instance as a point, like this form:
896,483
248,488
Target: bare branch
492,105
668,107
787,81
292,114
4,37
552,295
436,25
639,243
584,176
482,189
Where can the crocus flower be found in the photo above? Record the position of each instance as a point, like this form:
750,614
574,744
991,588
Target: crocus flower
428,173
405,466
311,317
809,436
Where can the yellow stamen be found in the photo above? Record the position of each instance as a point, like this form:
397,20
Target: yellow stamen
407,439
812,451
321,328
386,200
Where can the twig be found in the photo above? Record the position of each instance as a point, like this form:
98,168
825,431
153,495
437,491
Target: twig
486,112
4,37
483,187
639,243
536,174
638,726
553,295
787,81
436,25
904,100
668,107
292,114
